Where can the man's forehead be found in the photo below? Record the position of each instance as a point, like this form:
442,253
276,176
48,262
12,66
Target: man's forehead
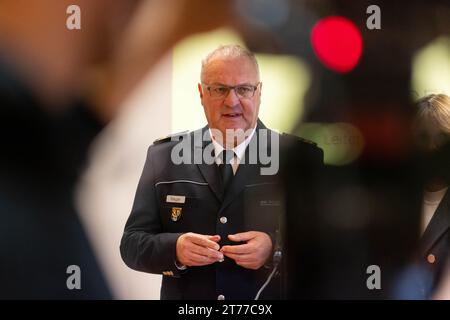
226,69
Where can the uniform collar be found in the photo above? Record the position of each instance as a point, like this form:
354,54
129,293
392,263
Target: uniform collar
239,150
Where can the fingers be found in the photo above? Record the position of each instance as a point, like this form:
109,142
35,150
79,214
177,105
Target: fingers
205,241
207,252
196,260
239,258
251,255
248,261
243,236
215,238
238,249
247,248
198,250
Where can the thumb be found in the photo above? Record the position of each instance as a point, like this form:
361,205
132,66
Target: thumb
243,236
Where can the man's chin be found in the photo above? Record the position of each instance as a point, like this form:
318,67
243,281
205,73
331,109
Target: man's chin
234,128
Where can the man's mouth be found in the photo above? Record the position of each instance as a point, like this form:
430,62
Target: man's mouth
232,115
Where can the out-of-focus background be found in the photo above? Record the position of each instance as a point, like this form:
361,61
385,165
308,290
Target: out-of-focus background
168,102
162,98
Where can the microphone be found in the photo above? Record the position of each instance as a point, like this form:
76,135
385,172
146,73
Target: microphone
278,252
277,256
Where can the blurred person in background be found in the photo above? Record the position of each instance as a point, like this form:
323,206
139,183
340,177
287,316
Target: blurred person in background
58,88
365,212
432,132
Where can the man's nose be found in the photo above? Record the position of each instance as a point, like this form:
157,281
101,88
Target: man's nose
231,99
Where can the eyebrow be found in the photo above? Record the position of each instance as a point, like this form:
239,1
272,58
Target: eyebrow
225,85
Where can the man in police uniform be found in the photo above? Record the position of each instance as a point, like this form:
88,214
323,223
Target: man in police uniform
212,227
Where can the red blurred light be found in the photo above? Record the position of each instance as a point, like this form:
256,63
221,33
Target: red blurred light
337,43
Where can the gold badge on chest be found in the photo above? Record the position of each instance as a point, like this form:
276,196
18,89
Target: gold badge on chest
176,213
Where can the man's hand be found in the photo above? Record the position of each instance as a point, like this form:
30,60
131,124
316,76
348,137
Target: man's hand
198,250
254,253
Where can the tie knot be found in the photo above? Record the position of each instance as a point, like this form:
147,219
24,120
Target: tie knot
226,156
226,170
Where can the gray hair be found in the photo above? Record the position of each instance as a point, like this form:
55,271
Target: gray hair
231,51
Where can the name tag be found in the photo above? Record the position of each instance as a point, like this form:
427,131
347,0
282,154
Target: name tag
175,199
270,203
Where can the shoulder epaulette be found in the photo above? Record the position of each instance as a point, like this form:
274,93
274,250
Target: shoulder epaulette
171,137
300,139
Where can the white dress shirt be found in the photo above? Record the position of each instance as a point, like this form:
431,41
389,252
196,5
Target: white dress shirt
431,201
239,150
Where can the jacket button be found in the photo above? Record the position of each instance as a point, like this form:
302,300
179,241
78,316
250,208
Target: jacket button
223,220
221,297
431,258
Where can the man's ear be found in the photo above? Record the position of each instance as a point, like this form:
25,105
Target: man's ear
200,90
260,88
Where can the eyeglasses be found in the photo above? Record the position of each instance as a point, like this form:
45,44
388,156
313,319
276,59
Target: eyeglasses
244,91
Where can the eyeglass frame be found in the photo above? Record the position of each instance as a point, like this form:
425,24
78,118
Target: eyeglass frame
255,88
